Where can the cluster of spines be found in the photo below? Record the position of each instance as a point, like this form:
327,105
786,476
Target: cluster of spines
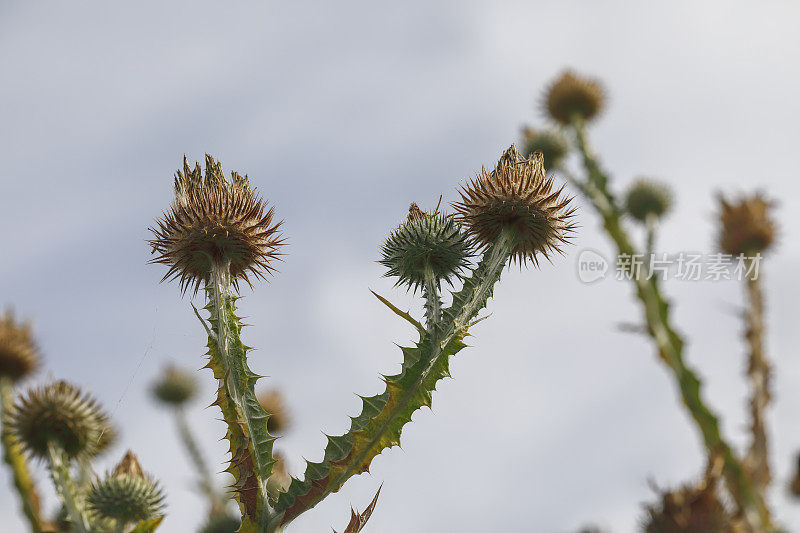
215,222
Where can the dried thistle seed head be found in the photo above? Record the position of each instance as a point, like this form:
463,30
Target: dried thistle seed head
517,196
648,197
127,494
58,413
222,523
129,465
19,356
551,143
746,226
212,223
693,509
425,242
174,387
574,95
273,403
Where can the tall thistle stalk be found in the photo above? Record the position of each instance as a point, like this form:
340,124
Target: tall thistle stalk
747,230
572,101
175,388
216,234
251,443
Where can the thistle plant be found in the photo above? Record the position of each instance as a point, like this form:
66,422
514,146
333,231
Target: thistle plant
59,424
572,102
218,232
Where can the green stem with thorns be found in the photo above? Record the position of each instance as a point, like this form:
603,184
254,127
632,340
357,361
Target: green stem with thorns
250,443
15,459
433,304
65,488
749,501
380,423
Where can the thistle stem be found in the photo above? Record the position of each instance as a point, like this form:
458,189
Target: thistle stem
217,501
65,488
433,304
670,344
14,458
758,373
251,444
119,527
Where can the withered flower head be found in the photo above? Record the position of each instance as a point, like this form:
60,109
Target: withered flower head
58,413
648,197
273,403
517,196
127,494
574,95
694,508
551,143
746,226
174,387
212,223
19,356
690,510
425,242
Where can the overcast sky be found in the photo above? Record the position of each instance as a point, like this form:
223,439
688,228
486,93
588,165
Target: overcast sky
342,113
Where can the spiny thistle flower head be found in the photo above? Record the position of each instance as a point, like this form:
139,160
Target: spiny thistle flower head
19,356
273,403
61,414
425,242
517,196
574,95
746,225
126,494
647,197
692,510
551,143
174,387
213,223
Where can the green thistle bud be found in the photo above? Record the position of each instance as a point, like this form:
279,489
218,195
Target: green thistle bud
573,95
517,195
746,226
175,387
222,523
272,402
19,356
58,413
215,222
127,494
647,197
550,143
424,242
